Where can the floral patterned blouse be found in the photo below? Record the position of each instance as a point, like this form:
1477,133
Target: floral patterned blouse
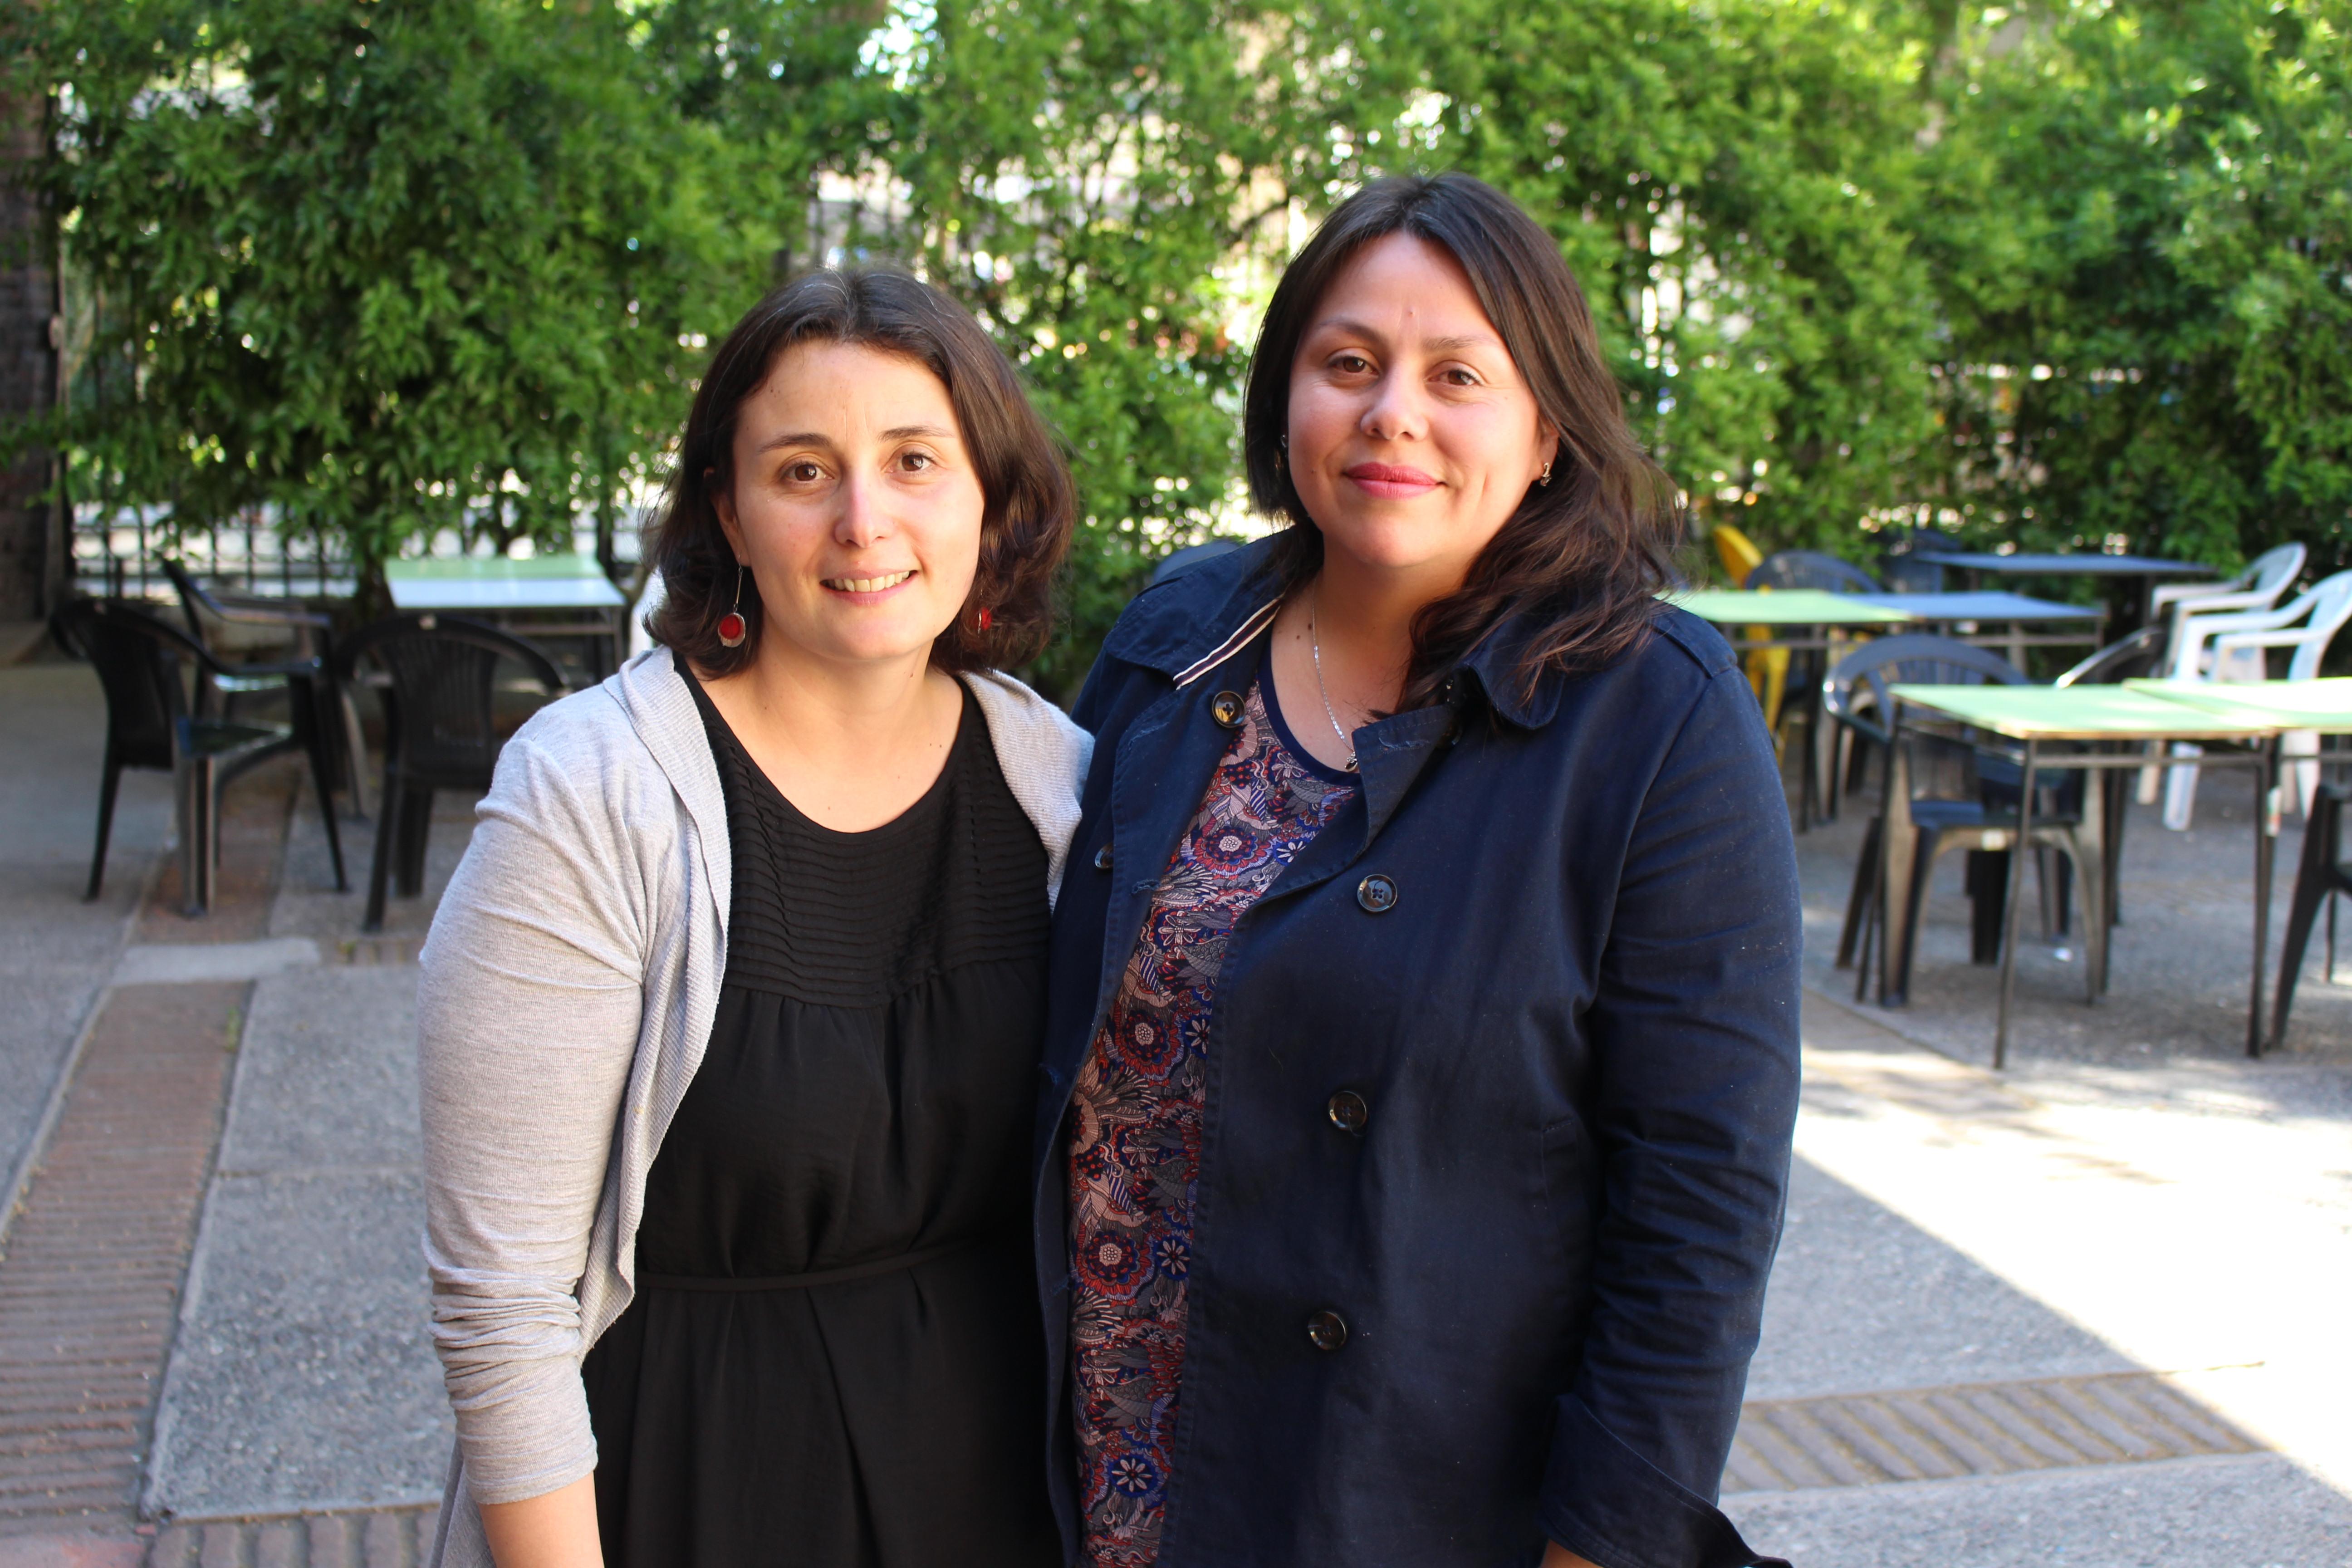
1140,1107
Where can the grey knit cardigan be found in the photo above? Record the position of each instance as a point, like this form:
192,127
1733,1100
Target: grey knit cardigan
566,998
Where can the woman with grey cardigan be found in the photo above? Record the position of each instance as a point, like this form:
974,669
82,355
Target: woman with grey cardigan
730,1016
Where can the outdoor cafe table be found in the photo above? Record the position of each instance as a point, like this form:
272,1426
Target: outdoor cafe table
1810,608
1991,608
543,596
1802,618
1801,610
2321,705
2079,716
1980,564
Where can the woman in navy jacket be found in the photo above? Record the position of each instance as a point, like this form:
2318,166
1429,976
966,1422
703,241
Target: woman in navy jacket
1421,1056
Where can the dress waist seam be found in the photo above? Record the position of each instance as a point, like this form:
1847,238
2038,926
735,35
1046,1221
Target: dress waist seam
904,1260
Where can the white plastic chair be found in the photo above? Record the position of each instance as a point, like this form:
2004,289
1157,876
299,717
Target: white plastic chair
2258,587
2239,642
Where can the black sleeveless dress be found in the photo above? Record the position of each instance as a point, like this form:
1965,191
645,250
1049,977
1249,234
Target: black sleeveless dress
834,1358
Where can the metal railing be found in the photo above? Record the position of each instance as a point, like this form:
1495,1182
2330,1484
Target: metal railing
119,552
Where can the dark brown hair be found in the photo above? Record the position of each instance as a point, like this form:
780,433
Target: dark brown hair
1031,506
1584,554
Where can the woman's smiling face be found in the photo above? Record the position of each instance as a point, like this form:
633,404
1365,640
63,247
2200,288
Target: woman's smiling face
855,503
1412,436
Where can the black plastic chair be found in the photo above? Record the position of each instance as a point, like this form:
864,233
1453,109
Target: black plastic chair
138,656
1902,570
2134,658
1939,794
1179,561
2323,875
438,728
234,626
1811,569
1801,690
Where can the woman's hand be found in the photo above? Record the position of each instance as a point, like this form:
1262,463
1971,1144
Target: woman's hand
1555,1556
559,1530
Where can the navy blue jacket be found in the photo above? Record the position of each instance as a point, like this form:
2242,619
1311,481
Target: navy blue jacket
1575,1026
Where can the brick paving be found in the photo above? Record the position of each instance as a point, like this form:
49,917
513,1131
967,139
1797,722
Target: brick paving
379,1538
89,1282
94,1256
1980,1430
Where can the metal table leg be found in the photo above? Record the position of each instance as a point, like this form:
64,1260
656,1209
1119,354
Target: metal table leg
2267,827
2008,919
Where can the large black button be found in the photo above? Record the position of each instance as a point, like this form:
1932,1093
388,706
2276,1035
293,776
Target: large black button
1225,707
1326,1331
1377,893
1102,858
1348,1112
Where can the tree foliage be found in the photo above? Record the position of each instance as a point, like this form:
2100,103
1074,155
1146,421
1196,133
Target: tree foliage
2165,355
395,266
2075,273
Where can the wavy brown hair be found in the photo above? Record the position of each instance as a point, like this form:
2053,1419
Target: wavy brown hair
1583,557
1031,506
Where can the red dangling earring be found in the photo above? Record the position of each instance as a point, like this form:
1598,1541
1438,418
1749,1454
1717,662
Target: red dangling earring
732,627
985,619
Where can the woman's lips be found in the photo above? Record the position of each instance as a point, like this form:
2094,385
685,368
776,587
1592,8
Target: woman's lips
1390,481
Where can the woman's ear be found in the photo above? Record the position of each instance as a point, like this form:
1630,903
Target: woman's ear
722,504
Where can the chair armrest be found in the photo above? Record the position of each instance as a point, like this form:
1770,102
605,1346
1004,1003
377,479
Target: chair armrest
252,614
2293,637
296,668
2218,603
2192,593
1863,727
2204,625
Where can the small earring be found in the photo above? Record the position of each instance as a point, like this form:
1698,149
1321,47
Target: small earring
1281,454
985,619
732,628
1545,477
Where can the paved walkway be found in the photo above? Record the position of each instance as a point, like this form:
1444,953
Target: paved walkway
2085,1312
189,1257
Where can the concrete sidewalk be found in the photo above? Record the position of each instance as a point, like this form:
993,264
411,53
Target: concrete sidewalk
2071,1315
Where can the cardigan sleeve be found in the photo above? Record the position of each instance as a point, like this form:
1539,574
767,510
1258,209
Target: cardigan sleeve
529,1011
1693,1029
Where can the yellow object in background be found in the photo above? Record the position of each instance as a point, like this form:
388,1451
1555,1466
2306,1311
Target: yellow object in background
1767,668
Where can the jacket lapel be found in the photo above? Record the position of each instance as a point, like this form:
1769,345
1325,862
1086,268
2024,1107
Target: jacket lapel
652,694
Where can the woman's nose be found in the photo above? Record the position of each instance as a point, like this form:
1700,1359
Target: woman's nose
863,520
1395,412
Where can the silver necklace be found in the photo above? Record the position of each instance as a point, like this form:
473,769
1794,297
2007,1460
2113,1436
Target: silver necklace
1315,647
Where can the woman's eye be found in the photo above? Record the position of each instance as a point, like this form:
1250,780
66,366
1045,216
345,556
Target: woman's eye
917,462
1350,365
803,472
1456,376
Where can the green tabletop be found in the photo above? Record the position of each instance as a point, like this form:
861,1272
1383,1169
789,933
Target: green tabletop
1784,607
2082,714
479,568
2284,704
483,585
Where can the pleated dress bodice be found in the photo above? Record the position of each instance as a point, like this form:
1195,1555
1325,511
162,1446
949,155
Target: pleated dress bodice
834,1354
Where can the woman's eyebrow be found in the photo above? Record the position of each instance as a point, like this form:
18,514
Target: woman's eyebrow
897,433
1463,341
1451,344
